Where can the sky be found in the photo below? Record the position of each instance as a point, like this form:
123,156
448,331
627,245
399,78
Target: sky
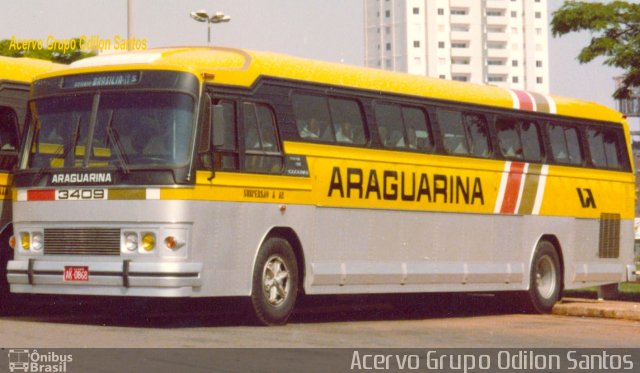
330,30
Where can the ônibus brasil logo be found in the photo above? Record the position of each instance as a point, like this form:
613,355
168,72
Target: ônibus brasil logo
24,360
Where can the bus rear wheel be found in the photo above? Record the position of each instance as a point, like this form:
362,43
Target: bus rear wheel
275,282
545,279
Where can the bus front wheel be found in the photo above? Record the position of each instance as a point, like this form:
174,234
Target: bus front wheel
546,279
275,282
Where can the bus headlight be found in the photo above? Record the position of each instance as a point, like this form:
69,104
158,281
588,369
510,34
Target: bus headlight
131,241
153,241
148,241
25,240
37,241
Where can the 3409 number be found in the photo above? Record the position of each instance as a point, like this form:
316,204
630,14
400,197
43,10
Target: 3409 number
80,194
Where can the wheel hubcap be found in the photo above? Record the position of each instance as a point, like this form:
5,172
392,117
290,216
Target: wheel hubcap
275,276
545,277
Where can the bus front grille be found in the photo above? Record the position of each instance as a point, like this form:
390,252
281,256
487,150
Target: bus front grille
82,241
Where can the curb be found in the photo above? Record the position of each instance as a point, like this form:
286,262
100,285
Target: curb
597,308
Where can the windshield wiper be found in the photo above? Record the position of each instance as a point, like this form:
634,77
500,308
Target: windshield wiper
114,138
61,150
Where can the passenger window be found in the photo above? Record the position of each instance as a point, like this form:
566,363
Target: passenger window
603,148
478,134
565,144
325,119
226,156
454,138
418,129
347,120
518,139
509,140
403,127
464,133
313,118
8,138
390,127
531,143
262,151
251,133
268,139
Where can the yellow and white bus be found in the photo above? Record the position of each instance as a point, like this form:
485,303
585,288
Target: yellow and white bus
16,75
215,172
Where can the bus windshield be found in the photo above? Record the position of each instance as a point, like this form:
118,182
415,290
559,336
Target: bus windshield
117,129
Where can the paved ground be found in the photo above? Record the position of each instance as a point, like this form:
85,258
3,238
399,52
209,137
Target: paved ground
598,308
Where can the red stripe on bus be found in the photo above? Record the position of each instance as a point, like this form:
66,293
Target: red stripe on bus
41,195
512,190
525,100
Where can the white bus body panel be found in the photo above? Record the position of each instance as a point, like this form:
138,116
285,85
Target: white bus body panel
345,250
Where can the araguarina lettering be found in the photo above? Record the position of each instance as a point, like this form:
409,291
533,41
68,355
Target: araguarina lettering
81,178
391,185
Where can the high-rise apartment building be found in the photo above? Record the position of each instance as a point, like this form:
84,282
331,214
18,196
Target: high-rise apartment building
499,42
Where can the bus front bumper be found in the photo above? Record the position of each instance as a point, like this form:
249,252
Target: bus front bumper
123,277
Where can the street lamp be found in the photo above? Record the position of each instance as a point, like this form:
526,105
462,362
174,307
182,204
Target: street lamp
203,16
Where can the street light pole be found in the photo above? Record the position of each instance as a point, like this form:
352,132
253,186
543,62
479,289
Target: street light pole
203,16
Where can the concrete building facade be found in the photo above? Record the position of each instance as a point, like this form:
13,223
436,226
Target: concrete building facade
499,42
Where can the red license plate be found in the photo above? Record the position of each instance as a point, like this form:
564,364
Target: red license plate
76,273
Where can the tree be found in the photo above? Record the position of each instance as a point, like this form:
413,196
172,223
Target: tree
7,48
615,29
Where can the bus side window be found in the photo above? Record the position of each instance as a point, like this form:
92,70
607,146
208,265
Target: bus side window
518,139
262,149
418,129
347,121
390,125
565,144
603,148
454,138
8,138
312,117
477,134
509,141
403,127
226,154
531,144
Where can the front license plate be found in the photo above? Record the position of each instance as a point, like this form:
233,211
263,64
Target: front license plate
76,273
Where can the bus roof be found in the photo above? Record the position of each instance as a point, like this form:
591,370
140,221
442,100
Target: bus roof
24,69
238,67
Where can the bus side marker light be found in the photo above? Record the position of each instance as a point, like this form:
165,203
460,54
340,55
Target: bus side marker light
148,241
12,242
208,76
171,242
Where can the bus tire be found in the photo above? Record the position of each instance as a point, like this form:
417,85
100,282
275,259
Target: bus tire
275,282
545,279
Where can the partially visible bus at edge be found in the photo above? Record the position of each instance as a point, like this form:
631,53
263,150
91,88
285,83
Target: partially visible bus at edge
16,75
216,172
636,162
